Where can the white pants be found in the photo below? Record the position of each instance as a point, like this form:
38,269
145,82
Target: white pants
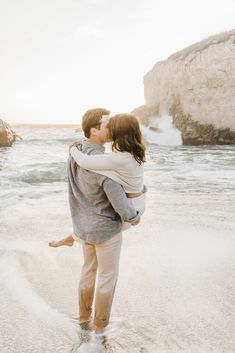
139,204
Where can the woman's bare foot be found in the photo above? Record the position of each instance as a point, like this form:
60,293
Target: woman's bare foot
68,241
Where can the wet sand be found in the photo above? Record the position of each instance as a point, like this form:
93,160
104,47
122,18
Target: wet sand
175,291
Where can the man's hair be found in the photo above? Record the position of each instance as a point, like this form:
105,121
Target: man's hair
92,118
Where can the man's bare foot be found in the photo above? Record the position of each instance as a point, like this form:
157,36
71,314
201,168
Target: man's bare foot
63,242
85,324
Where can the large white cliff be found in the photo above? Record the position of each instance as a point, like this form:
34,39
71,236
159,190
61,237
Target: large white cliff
196,86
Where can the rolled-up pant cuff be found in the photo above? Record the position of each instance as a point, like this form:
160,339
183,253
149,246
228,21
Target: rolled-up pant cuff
101,323
85,314
85,301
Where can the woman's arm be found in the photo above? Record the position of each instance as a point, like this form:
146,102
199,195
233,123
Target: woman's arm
113,161
75,143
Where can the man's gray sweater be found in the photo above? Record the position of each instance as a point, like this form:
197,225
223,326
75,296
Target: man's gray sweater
98,204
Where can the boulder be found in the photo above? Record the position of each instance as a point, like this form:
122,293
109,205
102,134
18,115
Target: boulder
196,86
7,135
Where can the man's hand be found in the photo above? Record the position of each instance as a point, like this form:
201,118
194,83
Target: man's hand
75,143
137,221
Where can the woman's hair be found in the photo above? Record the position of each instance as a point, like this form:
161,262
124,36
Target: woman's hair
124,130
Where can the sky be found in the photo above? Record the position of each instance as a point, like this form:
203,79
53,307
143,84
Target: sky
59,58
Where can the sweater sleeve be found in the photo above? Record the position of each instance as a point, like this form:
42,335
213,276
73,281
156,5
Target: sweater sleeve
117,197
111,161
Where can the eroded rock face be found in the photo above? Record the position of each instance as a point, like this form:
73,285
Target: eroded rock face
196,86
7,135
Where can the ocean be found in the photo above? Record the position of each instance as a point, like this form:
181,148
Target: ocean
176,284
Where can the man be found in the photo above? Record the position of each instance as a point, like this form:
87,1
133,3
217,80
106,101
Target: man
98,206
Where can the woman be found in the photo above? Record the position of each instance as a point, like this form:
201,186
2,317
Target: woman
124,164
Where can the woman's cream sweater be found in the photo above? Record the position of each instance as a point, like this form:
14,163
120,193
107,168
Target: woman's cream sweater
119,166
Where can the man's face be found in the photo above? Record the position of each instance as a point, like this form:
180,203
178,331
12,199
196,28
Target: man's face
103,132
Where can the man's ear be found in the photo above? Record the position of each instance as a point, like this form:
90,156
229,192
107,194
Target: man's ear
93,131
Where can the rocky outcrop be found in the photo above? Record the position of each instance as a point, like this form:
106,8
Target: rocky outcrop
196,86
7,135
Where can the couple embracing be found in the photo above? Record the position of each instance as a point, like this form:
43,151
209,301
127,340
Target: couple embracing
106,196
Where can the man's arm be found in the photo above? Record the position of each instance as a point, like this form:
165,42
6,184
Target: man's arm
117,197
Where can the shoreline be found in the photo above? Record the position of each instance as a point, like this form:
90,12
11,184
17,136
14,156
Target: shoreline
42,126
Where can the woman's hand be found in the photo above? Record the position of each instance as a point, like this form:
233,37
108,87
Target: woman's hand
75,143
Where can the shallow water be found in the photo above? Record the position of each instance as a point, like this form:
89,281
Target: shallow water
176,285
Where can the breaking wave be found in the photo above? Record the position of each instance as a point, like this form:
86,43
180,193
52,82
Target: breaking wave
161,131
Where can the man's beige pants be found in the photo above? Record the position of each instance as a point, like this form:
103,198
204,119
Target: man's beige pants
103,257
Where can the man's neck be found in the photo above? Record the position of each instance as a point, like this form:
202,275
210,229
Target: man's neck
94,140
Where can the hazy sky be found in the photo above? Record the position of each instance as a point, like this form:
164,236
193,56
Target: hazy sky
61,57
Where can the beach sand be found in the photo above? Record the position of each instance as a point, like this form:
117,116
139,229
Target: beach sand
175,291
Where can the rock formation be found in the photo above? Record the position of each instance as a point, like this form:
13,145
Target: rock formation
196,86
7,135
